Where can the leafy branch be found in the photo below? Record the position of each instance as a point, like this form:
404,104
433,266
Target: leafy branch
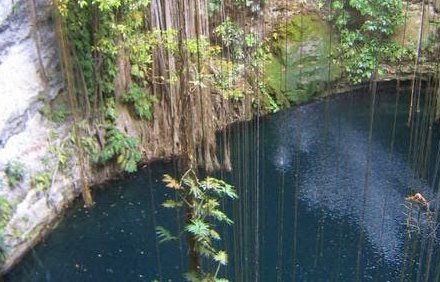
201,198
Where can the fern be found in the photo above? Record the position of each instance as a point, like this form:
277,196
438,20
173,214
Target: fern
219,187
221,216
214,234
198,228
221,257
121,148
42,180
164,235
142,102
171,182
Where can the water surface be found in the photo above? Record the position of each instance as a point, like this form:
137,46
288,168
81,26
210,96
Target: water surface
321,199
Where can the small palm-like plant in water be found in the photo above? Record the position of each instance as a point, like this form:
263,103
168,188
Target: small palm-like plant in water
201,199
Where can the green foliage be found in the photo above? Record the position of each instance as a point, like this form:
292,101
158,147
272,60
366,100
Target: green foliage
226,77
268,103
59,151
214,6
98,31
243,74
79,31
164,235
202,200
110,112
232,37
14,171
140,53
141,101
365,28
120,148
42,180
59,114
90,145
201,48
5,213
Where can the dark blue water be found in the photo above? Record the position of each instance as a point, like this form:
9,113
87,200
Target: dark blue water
319,201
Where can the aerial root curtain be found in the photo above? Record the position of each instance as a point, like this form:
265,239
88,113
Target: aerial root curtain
186,102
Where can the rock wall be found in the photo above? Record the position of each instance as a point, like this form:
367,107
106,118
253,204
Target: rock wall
29,75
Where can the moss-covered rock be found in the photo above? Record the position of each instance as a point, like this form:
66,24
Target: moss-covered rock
300,66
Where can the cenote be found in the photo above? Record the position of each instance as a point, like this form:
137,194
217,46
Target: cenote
322,198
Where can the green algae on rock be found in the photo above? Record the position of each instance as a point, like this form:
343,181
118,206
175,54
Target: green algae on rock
300,65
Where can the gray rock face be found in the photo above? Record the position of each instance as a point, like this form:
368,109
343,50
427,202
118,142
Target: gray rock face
21,77
29,70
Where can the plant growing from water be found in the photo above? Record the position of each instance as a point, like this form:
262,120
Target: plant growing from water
201,198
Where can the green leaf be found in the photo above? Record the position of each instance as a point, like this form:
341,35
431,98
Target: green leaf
5,212
211,204
221,216
221,257
172,204
171,182
214,234
164,235
198,228
204,248
192,276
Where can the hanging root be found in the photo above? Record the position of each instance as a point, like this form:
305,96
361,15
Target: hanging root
422,223
411,223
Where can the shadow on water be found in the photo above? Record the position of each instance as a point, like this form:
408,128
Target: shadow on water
307,212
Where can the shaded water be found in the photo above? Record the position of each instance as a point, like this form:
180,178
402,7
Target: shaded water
318,202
